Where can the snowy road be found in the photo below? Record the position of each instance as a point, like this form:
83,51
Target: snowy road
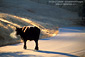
70,42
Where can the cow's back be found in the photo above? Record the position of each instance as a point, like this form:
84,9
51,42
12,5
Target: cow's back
32,33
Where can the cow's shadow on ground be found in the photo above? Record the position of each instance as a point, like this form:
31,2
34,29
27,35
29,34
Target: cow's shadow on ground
60,53
57,53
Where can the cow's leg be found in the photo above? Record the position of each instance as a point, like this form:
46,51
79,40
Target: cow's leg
36,47
25,44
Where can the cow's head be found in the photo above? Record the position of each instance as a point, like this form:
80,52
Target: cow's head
18,30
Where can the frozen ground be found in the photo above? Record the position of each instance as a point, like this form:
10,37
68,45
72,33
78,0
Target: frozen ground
70,42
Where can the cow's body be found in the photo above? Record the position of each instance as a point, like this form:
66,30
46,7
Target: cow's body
29,33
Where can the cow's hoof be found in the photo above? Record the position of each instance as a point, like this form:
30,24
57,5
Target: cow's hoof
36,48
25,47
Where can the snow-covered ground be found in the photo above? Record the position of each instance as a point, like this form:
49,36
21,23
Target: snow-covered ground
70,42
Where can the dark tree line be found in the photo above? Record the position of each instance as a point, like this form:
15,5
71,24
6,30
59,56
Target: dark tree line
83,12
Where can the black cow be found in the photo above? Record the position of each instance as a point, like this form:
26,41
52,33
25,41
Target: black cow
29,33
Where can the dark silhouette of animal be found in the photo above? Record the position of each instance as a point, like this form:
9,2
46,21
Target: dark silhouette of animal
29,33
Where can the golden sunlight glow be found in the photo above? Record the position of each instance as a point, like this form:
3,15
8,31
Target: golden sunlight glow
6,21
29,21
43,29
3,26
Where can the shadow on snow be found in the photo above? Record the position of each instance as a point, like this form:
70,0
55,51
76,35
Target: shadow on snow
60,53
